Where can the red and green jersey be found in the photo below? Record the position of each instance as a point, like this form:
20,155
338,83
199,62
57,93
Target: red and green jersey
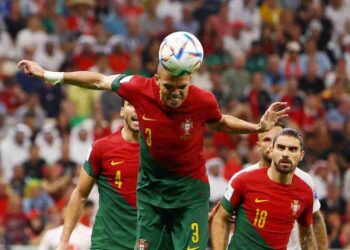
114,163
266,210
172,172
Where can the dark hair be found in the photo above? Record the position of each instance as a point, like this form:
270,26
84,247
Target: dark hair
281,123
291,133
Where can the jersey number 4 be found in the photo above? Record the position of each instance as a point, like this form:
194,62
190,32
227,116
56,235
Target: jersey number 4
260,218
118,179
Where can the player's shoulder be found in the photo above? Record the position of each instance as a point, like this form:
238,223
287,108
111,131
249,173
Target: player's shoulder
248,173
111,139
304,177
201,94
134,79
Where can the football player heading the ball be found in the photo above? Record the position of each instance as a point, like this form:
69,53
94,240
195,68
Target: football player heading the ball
173,187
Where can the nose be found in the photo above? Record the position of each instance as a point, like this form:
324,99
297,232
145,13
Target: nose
176,92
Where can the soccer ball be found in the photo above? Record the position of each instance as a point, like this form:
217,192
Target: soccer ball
181,53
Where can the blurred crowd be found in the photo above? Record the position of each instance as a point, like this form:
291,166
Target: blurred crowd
256,52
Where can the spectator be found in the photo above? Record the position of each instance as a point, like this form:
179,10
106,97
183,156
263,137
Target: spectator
291,66
188,23
15,221
19,181
217,182
14,21
236,79
80,142
333,201
236,43
150,22
257,60
49,54
49,144
310,83
320,58
37,199
30,38
33,167
69,166
246,12
114,22
14,149
270,12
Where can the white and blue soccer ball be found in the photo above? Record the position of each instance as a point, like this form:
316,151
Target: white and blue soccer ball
181,53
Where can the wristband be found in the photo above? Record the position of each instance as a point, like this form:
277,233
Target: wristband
53,77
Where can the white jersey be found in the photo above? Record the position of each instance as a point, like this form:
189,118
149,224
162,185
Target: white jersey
79,240
293,243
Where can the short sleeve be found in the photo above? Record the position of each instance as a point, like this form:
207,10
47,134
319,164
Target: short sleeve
317,204
233,194
212,110
305,219
92,164
128,87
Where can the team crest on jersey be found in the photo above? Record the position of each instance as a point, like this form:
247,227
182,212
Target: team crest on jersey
142,245
187,126
295,206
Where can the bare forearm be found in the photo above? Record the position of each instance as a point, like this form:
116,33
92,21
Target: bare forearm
72,215
233,125
85,79
307,239
320,232
219,233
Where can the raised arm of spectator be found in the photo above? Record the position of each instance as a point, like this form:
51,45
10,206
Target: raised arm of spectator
75,207
231,124
84,79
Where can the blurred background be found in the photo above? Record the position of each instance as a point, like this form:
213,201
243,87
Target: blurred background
256,52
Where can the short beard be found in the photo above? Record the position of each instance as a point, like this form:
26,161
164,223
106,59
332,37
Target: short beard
130,127
267,159
284,170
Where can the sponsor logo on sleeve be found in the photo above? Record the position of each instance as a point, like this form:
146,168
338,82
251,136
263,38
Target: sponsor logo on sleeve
229,193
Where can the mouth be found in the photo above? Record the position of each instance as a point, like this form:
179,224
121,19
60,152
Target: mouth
134,121
285,163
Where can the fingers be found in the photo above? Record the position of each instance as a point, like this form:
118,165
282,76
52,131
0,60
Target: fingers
283,111
22,63
278,105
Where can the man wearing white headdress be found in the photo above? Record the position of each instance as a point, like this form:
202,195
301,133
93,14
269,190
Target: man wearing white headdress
49,143
14,149
80,141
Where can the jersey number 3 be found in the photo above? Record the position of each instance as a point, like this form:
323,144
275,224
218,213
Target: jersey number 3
148,133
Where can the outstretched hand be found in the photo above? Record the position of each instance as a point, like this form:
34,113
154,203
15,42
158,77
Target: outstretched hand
276,111
31,68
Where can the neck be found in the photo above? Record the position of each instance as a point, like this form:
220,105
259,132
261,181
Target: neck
129,135
276,176
263,163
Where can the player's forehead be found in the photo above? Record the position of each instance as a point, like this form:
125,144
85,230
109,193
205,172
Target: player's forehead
287,141
166,78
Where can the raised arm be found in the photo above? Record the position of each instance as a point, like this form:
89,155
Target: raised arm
220,229
75,207
230,124
320,232
84,79
307,238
